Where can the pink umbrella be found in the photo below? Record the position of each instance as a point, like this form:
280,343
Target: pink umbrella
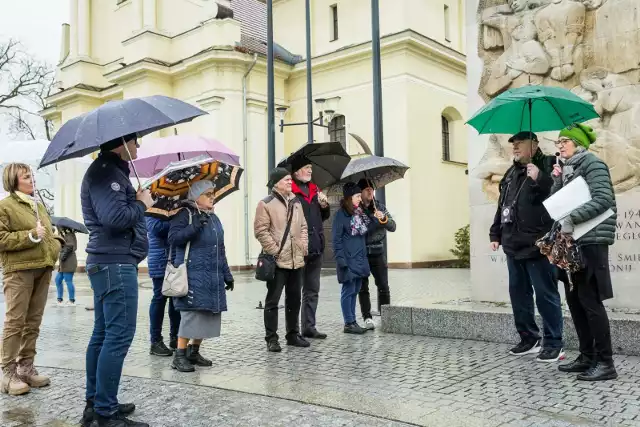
155,154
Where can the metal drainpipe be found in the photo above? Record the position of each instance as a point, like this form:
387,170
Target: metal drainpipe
245,150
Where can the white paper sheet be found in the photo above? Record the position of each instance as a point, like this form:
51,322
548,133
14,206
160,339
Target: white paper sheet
582,229
569,198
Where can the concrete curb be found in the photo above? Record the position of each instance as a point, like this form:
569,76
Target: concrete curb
494,326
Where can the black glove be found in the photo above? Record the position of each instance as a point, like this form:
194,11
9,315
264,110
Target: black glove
229,286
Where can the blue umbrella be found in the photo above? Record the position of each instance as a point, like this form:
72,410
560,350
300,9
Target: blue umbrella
84,134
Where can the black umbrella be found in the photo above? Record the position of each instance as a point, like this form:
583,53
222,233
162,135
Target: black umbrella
64,222
84,134
379,170
329,159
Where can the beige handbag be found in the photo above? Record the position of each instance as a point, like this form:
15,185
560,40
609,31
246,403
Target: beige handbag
176,282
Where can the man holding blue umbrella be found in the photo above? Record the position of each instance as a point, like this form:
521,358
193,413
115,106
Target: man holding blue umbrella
113,212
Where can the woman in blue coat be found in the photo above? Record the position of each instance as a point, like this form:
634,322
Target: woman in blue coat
158,233
350,228
208,274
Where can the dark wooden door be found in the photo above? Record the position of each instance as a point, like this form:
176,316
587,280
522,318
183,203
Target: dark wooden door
328,260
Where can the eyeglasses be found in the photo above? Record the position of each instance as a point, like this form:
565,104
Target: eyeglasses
210,195
562,142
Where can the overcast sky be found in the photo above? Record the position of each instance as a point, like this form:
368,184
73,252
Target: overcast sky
37,25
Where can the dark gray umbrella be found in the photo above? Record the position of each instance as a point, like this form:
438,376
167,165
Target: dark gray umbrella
379,170
327,158
64,222
84,134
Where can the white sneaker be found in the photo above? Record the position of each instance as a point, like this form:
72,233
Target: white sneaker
71,303
60,304
369,324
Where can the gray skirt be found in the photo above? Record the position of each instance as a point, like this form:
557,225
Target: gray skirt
199,325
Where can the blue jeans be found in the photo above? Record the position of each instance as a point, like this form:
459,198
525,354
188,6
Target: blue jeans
348,298
67,277
115,299
525,277
156,313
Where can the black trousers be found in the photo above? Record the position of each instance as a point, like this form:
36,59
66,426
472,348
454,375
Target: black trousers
310,292
291,282
380,272
589,315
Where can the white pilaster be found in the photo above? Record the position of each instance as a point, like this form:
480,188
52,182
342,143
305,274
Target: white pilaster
137,15
73,13
84,28
256,165
212,105
149,14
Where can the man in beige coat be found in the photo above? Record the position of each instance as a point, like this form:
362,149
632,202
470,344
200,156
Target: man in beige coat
269,226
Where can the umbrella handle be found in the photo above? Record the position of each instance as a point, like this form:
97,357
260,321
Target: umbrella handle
35,239
133,166
384,220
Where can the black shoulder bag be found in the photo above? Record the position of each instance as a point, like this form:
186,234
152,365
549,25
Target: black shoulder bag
266,266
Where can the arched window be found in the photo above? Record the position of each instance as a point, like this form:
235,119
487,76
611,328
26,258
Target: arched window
454,144
337,130
446,144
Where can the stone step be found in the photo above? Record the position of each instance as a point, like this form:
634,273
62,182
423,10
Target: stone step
495,324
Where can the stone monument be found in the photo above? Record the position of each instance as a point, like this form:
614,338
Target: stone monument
591,47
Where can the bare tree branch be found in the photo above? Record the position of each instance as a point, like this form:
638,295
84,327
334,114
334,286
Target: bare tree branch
25,84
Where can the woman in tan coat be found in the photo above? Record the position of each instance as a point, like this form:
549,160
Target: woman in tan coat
28,252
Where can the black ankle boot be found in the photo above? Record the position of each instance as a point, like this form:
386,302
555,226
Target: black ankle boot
603,371
194,356
581,364
180,361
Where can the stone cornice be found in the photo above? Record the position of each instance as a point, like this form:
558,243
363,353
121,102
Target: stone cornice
142,69
210,102
403,40
51,113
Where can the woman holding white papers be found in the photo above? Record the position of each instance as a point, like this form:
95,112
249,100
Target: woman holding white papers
587,288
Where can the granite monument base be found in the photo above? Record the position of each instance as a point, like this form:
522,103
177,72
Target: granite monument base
495,324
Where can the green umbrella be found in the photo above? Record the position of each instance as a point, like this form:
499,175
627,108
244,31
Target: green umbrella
532,108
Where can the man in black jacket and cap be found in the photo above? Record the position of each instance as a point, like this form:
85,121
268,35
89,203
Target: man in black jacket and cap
520,220
376,239
316,210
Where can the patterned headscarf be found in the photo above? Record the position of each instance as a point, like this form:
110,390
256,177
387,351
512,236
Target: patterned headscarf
359,222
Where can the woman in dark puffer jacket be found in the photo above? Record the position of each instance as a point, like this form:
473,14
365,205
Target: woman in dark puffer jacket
208,273
350,228
588,288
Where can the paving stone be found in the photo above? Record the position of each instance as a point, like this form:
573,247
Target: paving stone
383,377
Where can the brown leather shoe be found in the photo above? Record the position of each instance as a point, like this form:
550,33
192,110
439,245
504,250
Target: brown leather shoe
28,373
11,384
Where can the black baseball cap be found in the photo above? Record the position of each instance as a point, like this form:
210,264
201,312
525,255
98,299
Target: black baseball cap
523,135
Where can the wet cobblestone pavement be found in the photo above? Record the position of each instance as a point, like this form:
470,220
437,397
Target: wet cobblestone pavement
163,404
417,380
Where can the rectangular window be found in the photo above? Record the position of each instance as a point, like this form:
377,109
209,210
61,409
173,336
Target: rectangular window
334,22
446,147
338,130
447,24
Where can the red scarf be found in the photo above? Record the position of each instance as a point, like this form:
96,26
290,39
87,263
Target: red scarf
313,191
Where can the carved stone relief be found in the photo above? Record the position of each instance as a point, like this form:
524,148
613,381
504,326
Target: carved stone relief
591,47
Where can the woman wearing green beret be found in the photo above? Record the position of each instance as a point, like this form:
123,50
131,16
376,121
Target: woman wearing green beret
592,284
